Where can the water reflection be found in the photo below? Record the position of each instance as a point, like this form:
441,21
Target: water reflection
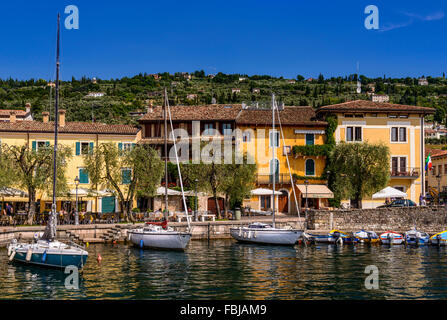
224,269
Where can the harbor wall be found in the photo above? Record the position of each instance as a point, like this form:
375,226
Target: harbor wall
428,219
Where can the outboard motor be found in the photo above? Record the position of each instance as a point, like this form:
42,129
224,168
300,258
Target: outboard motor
438,237
337,238
390,237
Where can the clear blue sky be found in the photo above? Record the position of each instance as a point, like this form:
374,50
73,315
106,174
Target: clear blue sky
280,38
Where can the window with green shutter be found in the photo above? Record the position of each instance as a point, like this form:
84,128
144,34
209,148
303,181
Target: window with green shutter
310,167
126,176
83,176
310,139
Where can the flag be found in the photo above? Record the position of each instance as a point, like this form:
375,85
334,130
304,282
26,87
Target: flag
428,163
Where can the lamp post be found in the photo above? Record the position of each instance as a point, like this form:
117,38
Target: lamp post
77,212
438,177
305,214
196,212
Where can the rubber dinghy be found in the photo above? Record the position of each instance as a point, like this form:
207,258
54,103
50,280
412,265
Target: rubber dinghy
416,237
391,237
367,236
439,239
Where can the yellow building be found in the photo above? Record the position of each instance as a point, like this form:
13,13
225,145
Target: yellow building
81,137
436,178
254,135
398,127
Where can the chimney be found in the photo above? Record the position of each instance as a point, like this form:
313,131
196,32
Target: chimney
12,116
45,117
149,107
28,108
61,118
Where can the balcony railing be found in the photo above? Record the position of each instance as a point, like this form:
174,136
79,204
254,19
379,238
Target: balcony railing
282,178
406,173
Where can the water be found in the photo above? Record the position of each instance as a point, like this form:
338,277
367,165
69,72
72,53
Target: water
224,269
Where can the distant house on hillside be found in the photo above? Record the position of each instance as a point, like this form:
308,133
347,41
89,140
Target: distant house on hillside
291,81
423,81
191,96
186,75
310,79
256,90
242,79
8,115
155,75
380,98
96,94
235,90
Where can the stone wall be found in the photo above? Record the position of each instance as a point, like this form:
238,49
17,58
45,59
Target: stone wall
428,219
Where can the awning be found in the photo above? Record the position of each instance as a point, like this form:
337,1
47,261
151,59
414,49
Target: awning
11,192
264,192
161,192
319,191
389,192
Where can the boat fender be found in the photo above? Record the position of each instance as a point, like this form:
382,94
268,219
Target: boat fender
12,256
249,235
29,253
255,233
245,235
9,250
141,243
86,245
240,232
438,237
339,241
44,256
99,258
129,235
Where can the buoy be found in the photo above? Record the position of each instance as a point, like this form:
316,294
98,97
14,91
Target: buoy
141,243
99,258
114,241
129,235
44,256
12,256
86,245
29,253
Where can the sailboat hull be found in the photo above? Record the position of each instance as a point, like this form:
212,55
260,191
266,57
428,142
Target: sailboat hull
52,256
266,236
160,240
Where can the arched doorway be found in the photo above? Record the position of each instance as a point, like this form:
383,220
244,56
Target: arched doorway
212,205
283,201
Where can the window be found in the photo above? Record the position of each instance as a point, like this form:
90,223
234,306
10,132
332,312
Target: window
287,150
265,202
274,139
126,176
433,170
310,167
226,129
125,146
310,139
40,144
358,115
392,116
439,169
398,134
399,166
208,129
274,169
83,148
83,175
445,169
404,116
374,115
347,115
353,133
246,136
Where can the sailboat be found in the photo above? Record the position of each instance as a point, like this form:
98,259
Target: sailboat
46,251
263,233
157,235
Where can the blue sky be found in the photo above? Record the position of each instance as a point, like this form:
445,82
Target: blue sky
279,38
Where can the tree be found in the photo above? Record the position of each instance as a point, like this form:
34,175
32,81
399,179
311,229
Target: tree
130,173
358,170
33,170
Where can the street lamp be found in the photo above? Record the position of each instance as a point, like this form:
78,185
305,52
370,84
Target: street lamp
77,212
438,177
196,213
306,183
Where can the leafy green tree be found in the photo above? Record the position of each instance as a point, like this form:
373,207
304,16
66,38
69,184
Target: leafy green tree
109,167
358,170
33,171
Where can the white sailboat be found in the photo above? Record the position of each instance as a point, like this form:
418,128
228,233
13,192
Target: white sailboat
159,235
262,233
46,251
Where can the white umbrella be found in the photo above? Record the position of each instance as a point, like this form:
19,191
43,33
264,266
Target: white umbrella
81,192
161,192
389,192
264,192
11,192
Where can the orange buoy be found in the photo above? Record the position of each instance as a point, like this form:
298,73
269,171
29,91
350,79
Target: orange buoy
99,258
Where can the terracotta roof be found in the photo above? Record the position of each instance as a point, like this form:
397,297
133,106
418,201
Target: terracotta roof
302,115
435,152
6,112
70,127
191,113
367,105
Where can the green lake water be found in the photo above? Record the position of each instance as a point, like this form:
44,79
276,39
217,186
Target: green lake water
224,269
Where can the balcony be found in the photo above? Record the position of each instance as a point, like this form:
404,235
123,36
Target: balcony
405,173
282,178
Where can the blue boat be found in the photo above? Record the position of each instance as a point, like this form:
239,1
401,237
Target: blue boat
335,236
415,237
439,239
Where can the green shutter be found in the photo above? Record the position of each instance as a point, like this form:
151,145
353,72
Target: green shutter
120,146
83,176
34,144
133,145
90,149
47,143
78,148
125,176
108,204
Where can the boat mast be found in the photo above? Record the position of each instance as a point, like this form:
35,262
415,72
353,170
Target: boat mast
273,156
56,110
166,157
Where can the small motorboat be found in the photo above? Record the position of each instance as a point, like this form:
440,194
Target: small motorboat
391,237
263,233
335,236
415,237
439,239
367,236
